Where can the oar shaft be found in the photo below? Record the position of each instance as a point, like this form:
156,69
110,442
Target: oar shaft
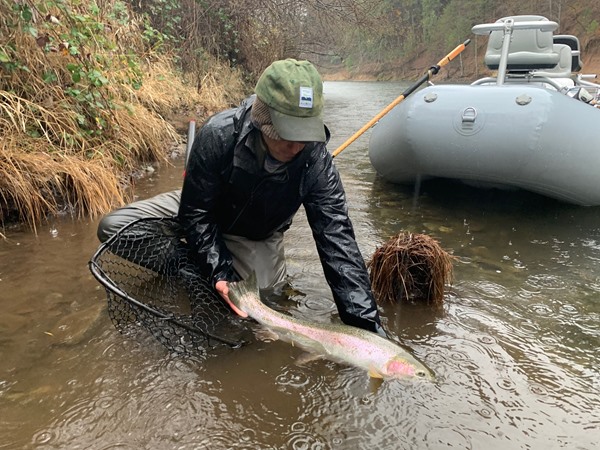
432,71
368,125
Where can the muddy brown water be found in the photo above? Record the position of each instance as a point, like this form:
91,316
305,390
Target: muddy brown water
515,350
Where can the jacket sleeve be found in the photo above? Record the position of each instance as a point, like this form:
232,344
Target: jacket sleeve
343,264
202,186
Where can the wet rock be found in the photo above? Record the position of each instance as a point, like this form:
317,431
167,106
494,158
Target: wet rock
178,150
435,227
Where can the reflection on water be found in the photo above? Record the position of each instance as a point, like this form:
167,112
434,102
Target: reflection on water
515,348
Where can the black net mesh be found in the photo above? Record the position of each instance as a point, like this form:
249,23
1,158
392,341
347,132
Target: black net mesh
151,282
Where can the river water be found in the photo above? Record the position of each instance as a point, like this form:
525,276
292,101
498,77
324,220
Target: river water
515,350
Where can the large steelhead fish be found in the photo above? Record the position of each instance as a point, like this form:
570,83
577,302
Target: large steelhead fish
342,343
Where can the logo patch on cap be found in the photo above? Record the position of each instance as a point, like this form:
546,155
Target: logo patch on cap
306,97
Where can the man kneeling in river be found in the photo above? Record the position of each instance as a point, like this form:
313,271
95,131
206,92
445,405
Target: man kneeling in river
249,171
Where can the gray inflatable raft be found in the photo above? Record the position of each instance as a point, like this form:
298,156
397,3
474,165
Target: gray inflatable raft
533,127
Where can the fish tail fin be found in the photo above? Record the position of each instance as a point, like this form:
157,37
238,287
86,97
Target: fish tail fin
241,289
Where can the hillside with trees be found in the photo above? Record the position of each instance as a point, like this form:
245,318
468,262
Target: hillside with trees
89,89
403,37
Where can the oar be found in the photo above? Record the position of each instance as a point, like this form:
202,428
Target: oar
432,71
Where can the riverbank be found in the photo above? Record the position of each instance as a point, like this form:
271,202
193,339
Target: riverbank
51,164
87,96
465,68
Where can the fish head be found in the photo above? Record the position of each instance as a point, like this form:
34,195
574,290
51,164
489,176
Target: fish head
399,367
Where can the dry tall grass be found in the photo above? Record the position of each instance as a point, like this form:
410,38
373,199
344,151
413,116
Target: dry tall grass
35,183
48,162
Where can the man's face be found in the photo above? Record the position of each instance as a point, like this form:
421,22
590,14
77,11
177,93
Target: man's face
283,151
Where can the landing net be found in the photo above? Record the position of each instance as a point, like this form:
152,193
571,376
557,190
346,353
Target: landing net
151,282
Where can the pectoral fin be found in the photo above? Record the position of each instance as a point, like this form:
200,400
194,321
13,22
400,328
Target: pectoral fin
306,358
266,335
374,374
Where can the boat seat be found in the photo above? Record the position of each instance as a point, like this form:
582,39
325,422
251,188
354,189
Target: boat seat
573,43
563,68
529,49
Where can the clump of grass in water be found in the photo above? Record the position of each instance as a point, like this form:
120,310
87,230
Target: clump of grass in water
410,267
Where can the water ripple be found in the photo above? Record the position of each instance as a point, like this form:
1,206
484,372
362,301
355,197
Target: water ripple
490,290
292,377
546,282
444,437
306,440
44,437
507,384
540,309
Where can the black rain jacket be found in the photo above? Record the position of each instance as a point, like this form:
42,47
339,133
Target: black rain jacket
226,190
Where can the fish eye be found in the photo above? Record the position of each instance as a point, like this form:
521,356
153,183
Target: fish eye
420,373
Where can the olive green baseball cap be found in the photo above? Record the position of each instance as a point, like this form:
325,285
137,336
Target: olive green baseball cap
293,91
